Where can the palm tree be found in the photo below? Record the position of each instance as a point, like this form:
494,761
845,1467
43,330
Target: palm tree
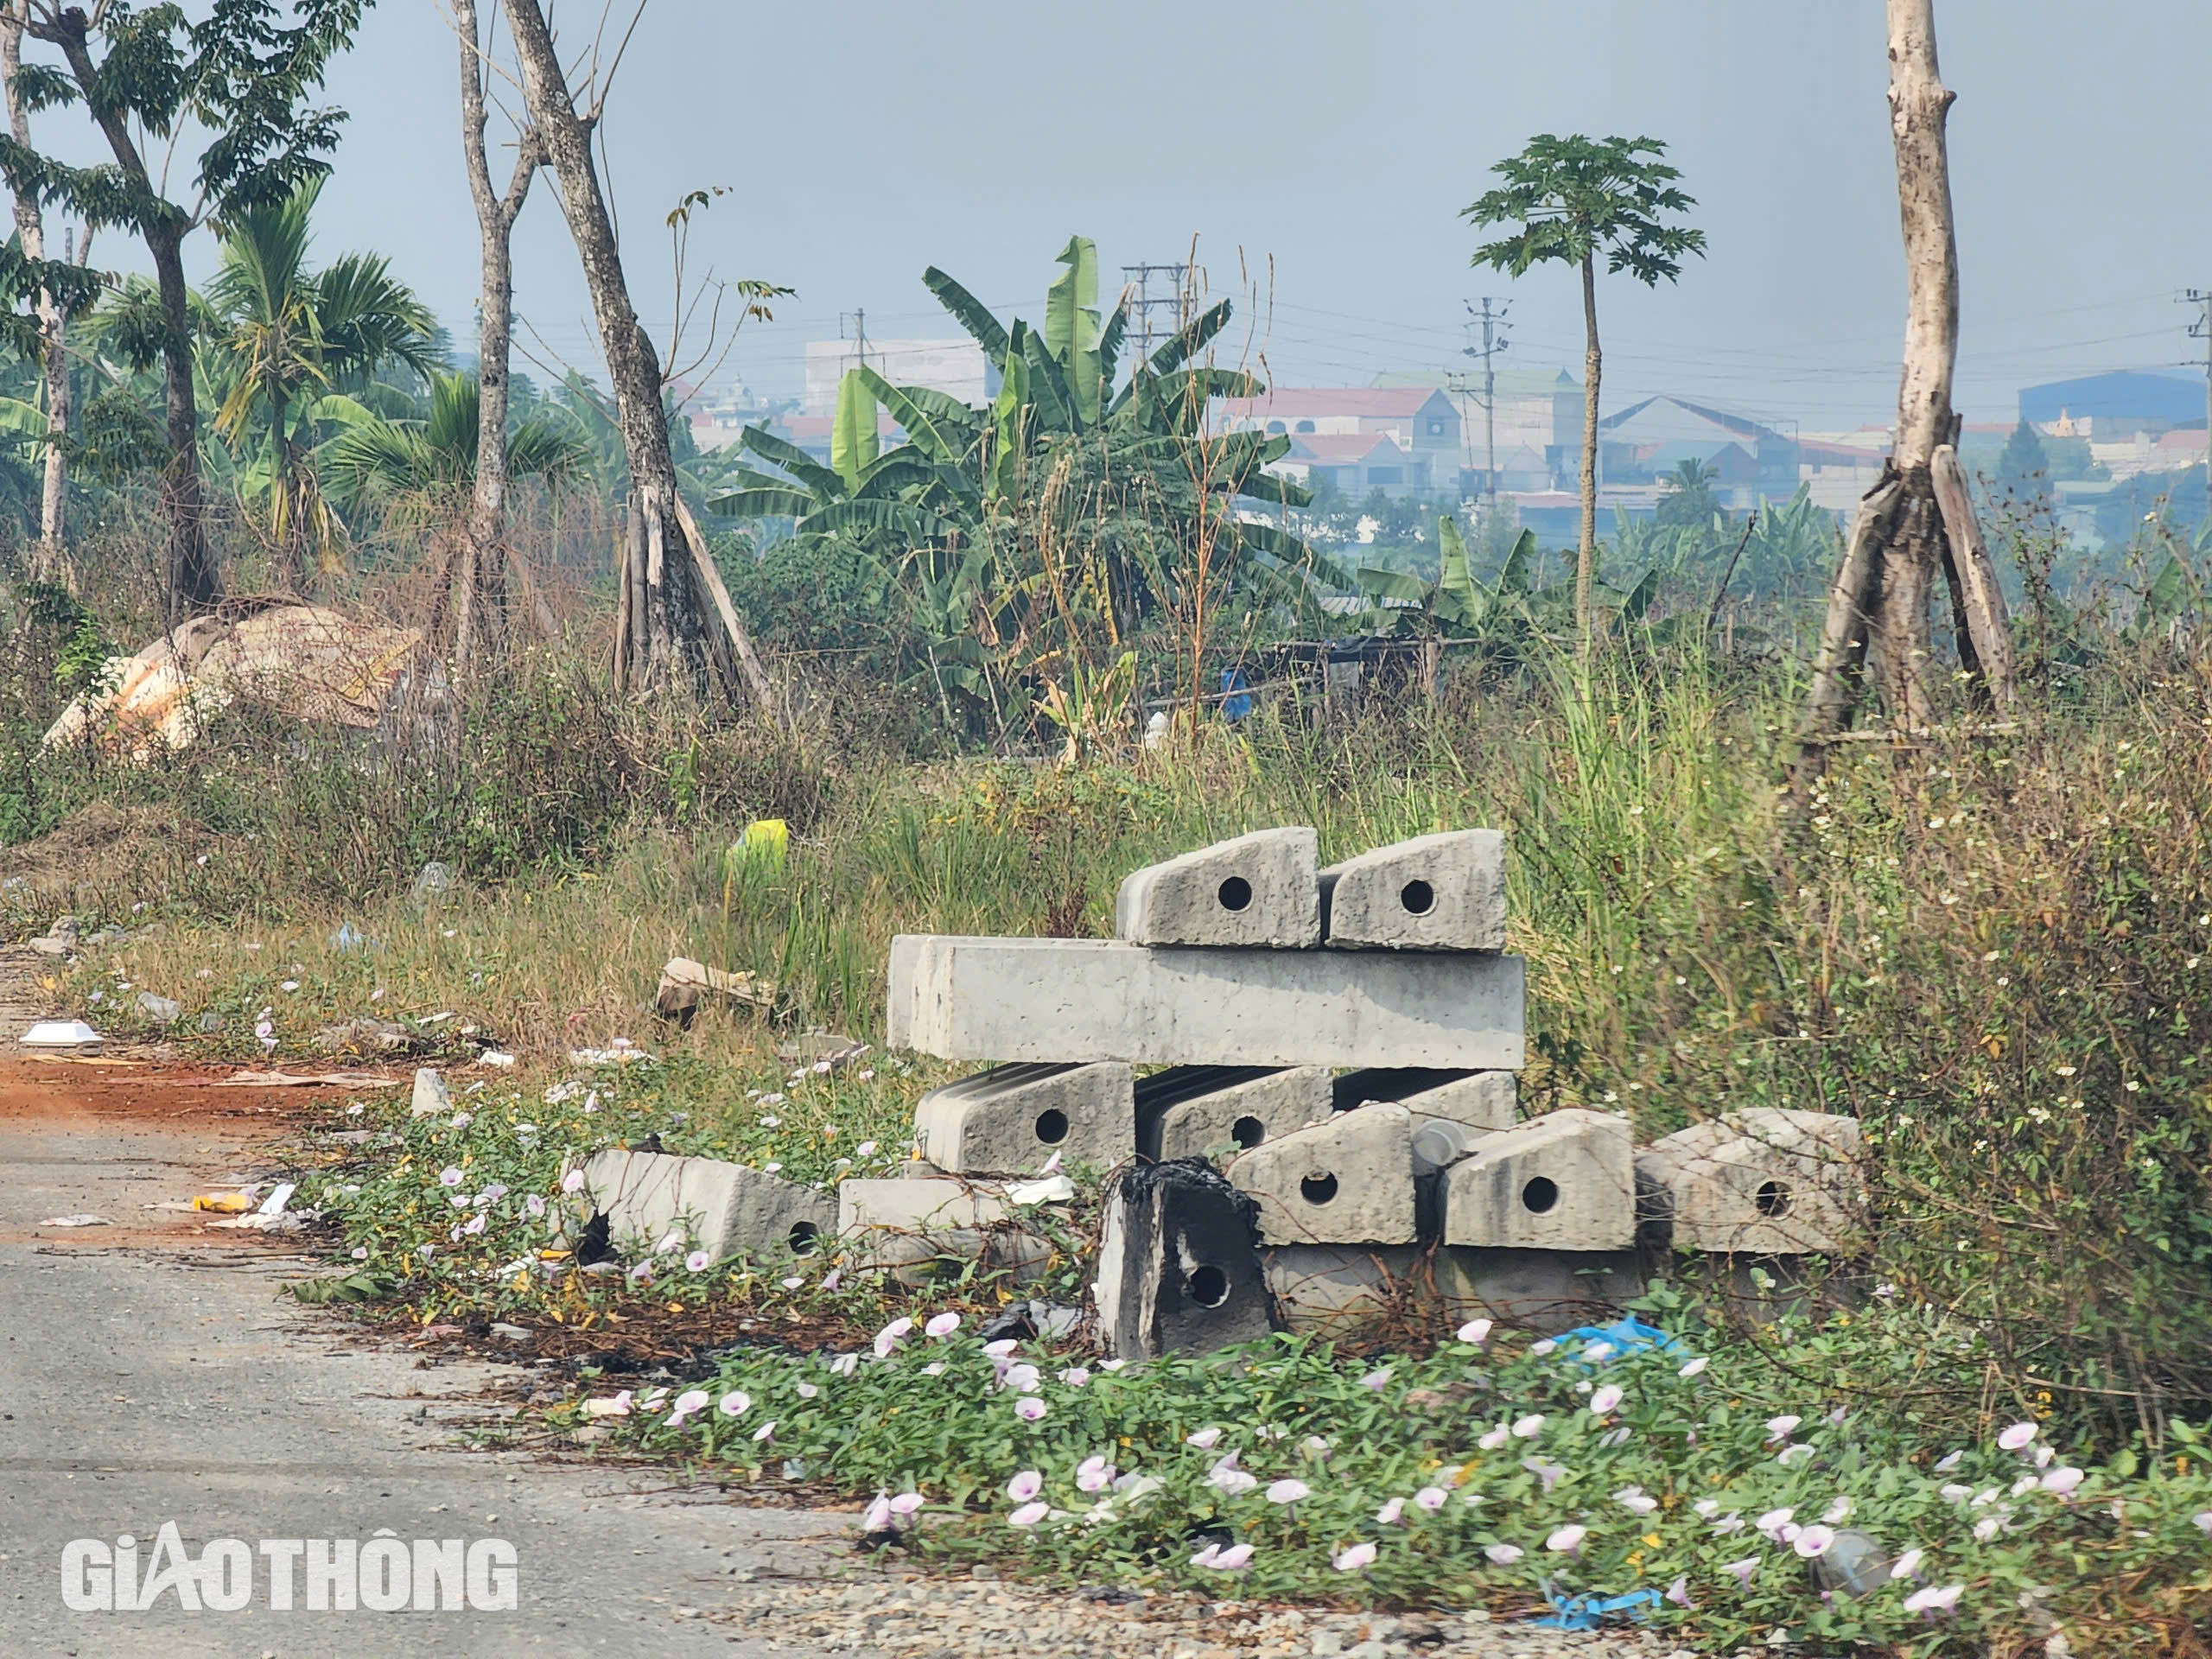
283,338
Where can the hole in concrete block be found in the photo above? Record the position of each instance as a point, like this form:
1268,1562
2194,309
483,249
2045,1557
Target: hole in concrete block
1540,1195
1236,893
805,1237
1052,1127
1318,1189
1418,898
1208,1286
1248,1131
1773,1199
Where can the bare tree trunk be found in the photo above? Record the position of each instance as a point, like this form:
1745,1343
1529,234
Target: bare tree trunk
1585,555
1907,530
483,567
50,561
192,582
671,632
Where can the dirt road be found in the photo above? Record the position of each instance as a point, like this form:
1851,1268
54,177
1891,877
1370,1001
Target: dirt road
149,1372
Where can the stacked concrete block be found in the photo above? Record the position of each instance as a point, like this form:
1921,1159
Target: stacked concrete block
1345,1290
1261,889
1193,1111
726,1209
920,1231
1444,892
1347,1180
1564,1181
1543,1290
1177,1269
1766,1181
1012,1119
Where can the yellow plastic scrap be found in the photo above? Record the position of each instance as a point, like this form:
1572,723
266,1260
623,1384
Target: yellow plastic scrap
223,1204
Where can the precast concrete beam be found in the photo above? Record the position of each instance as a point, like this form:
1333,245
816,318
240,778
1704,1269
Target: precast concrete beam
728,1209
1344,1291
1178,1271
1766,1181
1545,1291
1260,889
1189,1111
1011,1119
1475,1100
1346,1180
1445,891
1062,999
1564,1181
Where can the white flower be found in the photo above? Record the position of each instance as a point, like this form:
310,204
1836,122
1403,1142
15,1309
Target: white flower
1988,1526
1388,1515
1475,1330
1566,1540
1504,1555
942,1324
735,1403
1814,1542
1636,1500
1932,1600
1431,1498
1028,1515
1353,1559
2061,1482
1780,1428
1093,1474
2018,1437
1838,1512
1529,1428
1289,1491
1030,1408
1206,1439
1235,1559
765,1433
1605,1400
1494,1438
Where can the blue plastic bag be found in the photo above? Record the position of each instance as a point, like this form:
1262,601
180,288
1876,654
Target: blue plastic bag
1591,1612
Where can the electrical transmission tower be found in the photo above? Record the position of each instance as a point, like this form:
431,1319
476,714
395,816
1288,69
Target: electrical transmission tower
1494,341
2200,328
1142,302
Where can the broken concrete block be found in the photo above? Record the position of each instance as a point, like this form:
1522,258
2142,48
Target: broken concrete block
1009,1120
432,1098
1342,1291
1059,1000
921,1231
1542,1290
1444,892
1178,1271
1564,1181
1187,1109
686,986
1766,1181
1260,889
730,1209
915,1205
1347,1180
1477,1100
160,1010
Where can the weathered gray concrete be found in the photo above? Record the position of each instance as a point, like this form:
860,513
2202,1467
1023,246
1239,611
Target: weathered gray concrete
920,1232
1011,1119
1342,1291
915,1205
1766,1181
1547,1291
1478,1100
1187,1112
728,1208
154,1371
1260,889
1565,1181
1445,891
1347,1180
1056,1000
1178,1270
431,1098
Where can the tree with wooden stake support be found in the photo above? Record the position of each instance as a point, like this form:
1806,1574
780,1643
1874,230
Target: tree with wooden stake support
664,632
1919,516
1574,199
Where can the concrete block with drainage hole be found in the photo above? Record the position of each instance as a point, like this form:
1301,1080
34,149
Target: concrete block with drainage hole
1766,1181
1010,1119
1564,1181
728,1209
1060,999
1347,1180
1547,1291
1178,1270
1475,1100
1345,1291
1190,1111
1445,891
1260,889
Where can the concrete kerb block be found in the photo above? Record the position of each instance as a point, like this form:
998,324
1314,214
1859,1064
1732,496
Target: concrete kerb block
1564,1181
1188,1111
1063,999
1011,1119
1342,1291
1347,1180
729,1209
1260,889
1178,1271
1766,1181
1480,1101
919,1231
1544,1291
1445,891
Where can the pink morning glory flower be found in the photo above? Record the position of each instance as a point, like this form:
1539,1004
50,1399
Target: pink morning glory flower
2018,1437
1475,1330
1235,1559
1529,1428
1908,1564
891,1336
1030,1408
1206,1439
689,1402
1431,1498
697,1261
1028,1515
1695,1366
1389,1514
1605,1401
1566,1540
877,1517
735,1403
1504,1555
1353,1559
1742,1570
942,1324
1932,1600
1024,1486
1093,1474
1289,1491
1813,1543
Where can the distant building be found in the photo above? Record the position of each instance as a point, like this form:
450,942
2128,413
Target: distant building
2106,408
1353,463
1538,413
1419,421
956,367
1644,441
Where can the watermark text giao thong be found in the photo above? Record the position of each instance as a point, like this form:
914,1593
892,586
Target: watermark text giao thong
384,1573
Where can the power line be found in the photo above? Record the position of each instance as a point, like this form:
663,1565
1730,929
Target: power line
1140,277
1488,353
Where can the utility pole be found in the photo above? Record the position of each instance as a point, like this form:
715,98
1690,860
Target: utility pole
1493,343
1140,277
2201,329
860,333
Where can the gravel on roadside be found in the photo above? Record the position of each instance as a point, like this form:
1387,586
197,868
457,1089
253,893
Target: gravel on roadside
909,1616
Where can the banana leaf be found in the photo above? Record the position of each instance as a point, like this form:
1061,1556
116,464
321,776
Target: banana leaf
1072,327
968,311
852,443
795,461
764,502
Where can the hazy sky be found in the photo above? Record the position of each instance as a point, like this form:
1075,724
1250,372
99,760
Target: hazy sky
1329,145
